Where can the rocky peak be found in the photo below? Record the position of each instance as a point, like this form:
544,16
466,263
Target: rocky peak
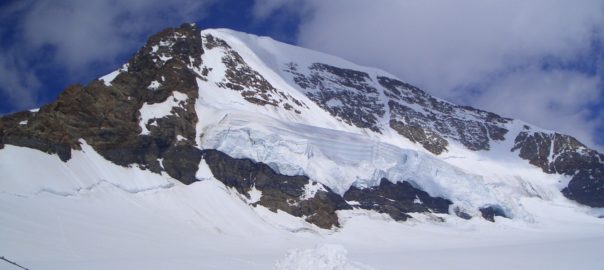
252,85
144,114
107,113
429,121
345,93
362,100
563,154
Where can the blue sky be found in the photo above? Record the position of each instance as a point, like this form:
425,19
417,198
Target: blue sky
38,65
541,61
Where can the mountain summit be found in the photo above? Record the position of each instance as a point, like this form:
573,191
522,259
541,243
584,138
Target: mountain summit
294,131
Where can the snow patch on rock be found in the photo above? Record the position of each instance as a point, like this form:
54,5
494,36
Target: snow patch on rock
255,195
154,85
203,171
159,110
107,79
311,189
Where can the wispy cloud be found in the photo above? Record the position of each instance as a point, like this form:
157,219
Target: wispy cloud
488,54
18,82
557,99
77,37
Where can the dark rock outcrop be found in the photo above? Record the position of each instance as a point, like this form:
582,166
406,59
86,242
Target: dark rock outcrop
556,153
107,114
279,192
587,187
460,213
430,140
396,200
438,119
353,96
17,129
181,162
240,77
290,193
563,154
345,93
490,212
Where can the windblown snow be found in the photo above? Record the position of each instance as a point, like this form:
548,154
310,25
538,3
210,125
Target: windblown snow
88,213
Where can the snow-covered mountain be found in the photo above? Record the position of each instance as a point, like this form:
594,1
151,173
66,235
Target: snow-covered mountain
216,135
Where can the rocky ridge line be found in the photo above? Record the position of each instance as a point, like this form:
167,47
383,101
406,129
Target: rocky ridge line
107,115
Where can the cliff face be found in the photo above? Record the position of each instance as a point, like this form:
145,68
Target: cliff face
563,154
107,115
147,113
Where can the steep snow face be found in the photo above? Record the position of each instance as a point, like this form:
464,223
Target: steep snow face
270,58
319,142
371,98
227,59
262,100
86,171
340,159
134,223
341,124
138,219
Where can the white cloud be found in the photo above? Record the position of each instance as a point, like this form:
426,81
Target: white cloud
265,8
18,83
556,99
82,32
262,9
78,37
449,47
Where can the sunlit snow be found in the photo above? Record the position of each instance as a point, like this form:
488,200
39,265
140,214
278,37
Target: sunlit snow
88,213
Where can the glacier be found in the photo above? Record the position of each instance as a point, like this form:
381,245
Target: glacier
89,213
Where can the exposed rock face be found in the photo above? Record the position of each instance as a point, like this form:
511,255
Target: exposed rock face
302,197
296,195
345,93
181,162
460,213
490,212
239,76
563,154
430,140
360,100
20,129
107,114
116,117
556,153
587,187
427,120
396,200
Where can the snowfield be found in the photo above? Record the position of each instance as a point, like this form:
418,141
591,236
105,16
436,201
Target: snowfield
127,218
88,213
341,159
316,144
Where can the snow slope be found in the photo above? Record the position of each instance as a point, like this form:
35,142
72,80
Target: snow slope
88,213
138,220
339,155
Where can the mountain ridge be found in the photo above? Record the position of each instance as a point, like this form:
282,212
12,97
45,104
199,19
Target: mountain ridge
190,90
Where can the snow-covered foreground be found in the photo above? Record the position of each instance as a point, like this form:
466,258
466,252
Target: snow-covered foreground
131,219
204,226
